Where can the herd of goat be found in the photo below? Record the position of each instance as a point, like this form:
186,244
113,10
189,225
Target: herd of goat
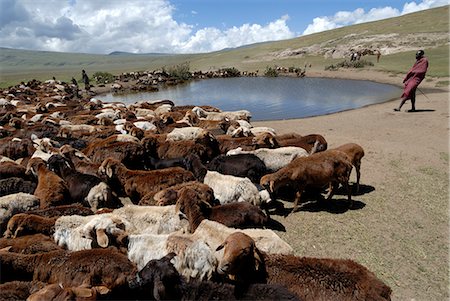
153,201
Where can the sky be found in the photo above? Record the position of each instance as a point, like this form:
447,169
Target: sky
180,26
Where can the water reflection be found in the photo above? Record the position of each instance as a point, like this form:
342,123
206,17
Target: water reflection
272,98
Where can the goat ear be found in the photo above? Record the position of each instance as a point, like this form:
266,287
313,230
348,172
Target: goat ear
220,247
109,171
102,238
258,257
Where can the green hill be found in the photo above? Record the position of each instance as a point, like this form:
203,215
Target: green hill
397,38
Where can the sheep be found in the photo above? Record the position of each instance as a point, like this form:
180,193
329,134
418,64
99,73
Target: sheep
105,268
15,185
81,162
355,153
15,203
240,165
274,159
331,167
309,278
226,188
30,244
51,189
161,280
83,188
140,184
236,215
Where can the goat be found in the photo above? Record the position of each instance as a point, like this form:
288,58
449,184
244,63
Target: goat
169,196
264,140
242,165
307,142
24,224
355,153
29,244
19,290
15,203
237,215
329,167
15,185
160,279
105,268
226,188
309,278
137,184
276,158
83,188
51,189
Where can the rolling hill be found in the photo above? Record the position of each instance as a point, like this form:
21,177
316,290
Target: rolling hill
397,39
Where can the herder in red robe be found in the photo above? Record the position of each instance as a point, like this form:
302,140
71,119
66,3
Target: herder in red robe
413,79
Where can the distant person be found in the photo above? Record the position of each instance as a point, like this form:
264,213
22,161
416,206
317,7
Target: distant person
75,87
378,56
85,79
413,79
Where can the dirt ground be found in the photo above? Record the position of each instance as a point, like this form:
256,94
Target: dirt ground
399,227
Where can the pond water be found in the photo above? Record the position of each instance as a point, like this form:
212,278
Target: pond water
271,98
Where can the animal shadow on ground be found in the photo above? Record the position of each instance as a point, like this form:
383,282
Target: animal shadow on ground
363,189
275,225
336,206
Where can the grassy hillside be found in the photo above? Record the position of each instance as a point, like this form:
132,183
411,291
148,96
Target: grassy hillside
398,38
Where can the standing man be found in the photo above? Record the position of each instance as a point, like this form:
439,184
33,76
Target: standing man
413,79
85,79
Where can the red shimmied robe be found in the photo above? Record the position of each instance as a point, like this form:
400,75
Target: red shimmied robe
415,77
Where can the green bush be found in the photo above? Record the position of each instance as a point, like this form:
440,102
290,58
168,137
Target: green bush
181,71
231,72
103,77
349,64
271,72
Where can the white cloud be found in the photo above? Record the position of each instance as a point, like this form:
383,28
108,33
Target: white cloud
345,18
106,26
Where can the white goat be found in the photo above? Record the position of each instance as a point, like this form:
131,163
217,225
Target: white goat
274,158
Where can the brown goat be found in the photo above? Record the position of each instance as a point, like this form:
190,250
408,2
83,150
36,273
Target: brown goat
105,268
331,167
309,278
169,196
138,183
25,224
307,142
51,189
29,244
246,143
355,153
236,215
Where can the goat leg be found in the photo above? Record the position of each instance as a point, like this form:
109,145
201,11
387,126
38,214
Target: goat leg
298,195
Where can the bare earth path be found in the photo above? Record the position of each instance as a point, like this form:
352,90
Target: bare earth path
400,227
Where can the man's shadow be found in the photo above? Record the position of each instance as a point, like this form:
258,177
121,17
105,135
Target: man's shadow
420,110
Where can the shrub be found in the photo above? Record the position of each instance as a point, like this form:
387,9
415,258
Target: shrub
181,71
103,77
231,72
351,64
271,72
